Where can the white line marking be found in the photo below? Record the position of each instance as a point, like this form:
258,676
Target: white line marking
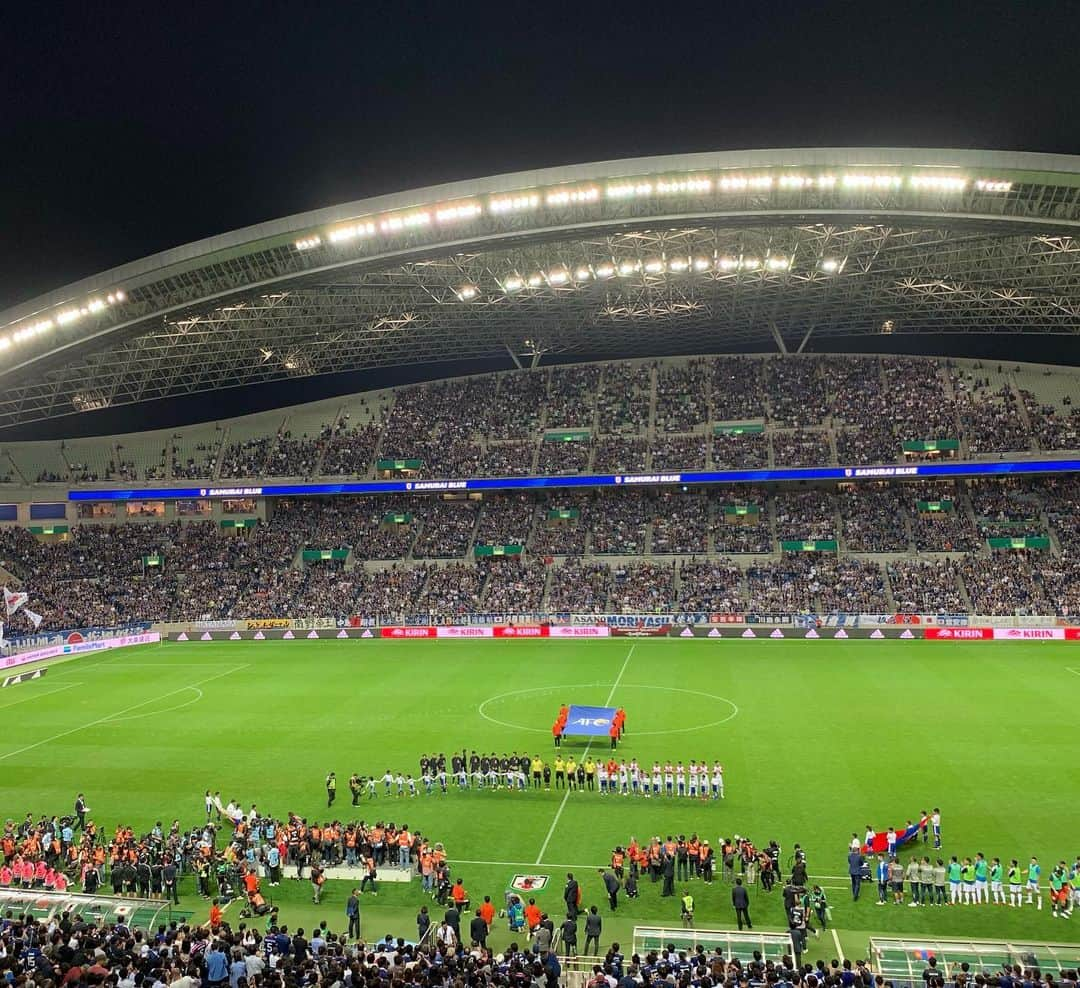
38,696
158,713
1075,672
839,949
120,713
584,755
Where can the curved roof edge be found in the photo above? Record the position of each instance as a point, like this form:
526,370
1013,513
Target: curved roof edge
287,227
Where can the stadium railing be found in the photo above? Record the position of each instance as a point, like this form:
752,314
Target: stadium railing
143,914
737,943
903,959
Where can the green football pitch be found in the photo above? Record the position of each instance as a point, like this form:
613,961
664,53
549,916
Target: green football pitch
817,739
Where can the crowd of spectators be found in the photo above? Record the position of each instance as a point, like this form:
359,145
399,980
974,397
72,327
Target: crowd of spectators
682,396
620,454
740,451
624,399
103,574
680,453
801,448
712,585
246,458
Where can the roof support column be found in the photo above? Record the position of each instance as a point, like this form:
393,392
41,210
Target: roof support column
806,338
780,344
513,357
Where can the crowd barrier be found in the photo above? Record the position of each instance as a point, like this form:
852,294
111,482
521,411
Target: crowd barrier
78,648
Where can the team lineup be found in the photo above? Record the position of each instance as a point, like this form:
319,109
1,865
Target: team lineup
520,772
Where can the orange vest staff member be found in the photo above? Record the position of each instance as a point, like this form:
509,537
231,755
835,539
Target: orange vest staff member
251,883
533,915
459,895
487,911
215,915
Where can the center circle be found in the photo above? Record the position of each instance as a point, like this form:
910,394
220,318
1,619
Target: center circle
553,690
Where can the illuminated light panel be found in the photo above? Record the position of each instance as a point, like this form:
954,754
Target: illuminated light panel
467,292
702,263
67,316
558,277
761,182
679,264
627,190
826,181
343,234
795,182
565,197
309,243
628,268
654,266
514,204
535,281
992,185
778,263
751,263
605,271
727,264
938,183
512,284
684,185
462,211
582,274
830,265
731,183
409,221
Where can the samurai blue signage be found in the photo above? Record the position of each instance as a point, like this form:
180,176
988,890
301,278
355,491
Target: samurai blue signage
1004,468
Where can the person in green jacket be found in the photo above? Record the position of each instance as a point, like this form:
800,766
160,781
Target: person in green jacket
954,880
967,881
1016,882
997,888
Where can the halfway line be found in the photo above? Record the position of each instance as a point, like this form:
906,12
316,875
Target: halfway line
584,754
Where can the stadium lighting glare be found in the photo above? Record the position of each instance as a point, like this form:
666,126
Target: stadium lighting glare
732,184
535,281
604,270
992,185
514,204
462,211
565,197
654,266
309,243
684,185
679,264
795,181
95,305
394,224
830,265
859,181
750,263
582,274
627,190
939,183
778,263
727,264
512,284
702,263
627,268
67,316
342,234
558,277
826,181
467,292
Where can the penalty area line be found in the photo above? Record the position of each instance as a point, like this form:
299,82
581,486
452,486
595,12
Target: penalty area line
584,755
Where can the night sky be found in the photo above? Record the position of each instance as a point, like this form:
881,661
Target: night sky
133,127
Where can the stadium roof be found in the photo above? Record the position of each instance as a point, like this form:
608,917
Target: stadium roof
684,253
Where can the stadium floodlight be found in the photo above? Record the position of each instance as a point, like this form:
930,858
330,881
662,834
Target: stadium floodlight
733,183
582,274
795,181
604,270
861,181
778,263
830,265
407,221
679,264
343,234
512,284
558,277
67,316
992,185
627,190
702,263
627,268
309,243
938,183
565,197
727,263
460,211
515,203
750,263
467,292
654,266
826,181
535,280
761,182
684,185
